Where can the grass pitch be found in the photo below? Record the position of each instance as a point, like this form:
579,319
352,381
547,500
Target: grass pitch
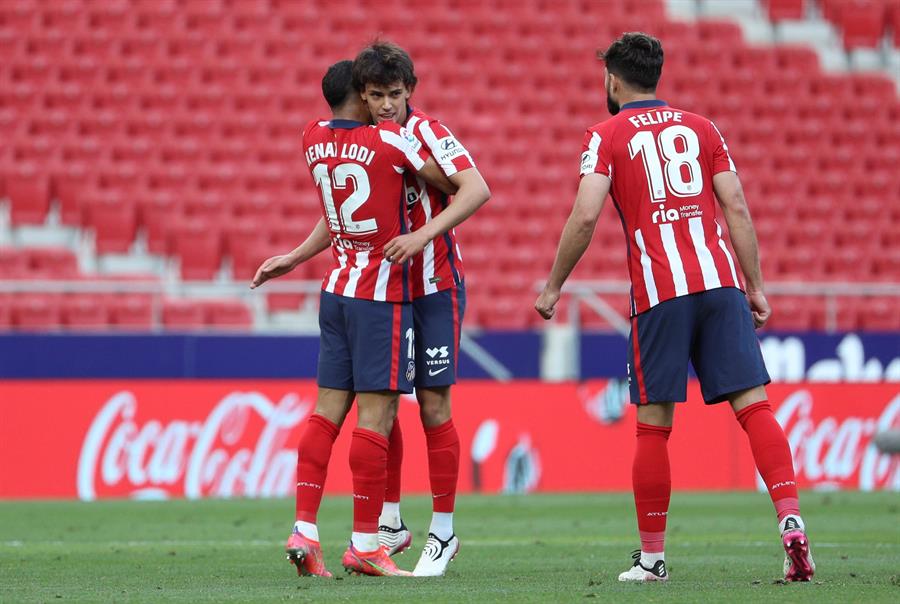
540,548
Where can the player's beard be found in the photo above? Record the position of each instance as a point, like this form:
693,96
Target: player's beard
611,105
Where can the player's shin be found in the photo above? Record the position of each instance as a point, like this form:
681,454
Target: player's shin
772,455
443,468
313,454
652,483
368,464
390,512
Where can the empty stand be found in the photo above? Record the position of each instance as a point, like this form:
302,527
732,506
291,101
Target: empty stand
173,127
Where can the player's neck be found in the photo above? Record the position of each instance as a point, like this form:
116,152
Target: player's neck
349,112
633,97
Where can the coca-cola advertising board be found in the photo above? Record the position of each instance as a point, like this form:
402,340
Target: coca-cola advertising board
166,439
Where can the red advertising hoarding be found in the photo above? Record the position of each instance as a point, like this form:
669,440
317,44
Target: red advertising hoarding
160,439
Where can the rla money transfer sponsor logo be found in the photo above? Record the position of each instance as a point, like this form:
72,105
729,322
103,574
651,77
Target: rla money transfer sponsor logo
242,448
838,453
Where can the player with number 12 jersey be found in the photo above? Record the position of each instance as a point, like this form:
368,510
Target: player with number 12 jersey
346,159
665,159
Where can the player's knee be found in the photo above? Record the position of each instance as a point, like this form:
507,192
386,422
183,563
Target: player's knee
434,406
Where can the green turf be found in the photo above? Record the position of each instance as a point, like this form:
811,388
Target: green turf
546,548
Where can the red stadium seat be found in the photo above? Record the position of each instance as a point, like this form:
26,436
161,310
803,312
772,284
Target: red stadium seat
780,10
35,312
29,191
13,264
198,247
228,314
132,312
113,219
862,23
84,312
52,263
182,315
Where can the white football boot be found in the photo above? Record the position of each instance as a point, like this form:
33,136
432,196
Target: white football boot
436,555
394,540
641,574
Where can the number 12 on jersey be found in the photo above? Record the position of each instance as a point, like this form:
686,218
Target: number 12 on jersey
669,176
343,222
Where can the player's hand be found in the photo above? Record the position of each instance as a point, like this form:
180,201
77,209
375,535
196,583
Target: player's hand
759,308
402,248
546,302
275,266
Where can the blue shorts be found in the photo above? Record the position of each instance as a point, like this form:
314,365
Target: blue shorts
364,345
438,319
712,329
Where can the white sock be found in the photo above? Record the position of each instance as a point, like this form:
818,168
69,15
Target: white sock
442,525
648,560
364,542
390,514
784,520
307,529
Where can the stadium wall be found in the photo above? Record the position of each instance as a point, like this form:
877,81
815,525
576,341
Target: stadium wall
790,357
92,439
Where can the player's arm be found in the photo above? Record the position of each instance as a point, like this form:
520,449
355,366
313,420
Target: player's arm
432,173
317,241
728,190
472,193
576,237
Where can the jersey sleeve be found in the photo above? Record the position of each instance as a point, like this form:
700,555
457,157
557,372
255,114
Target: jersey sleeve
446,149
596,157
721,160
406,150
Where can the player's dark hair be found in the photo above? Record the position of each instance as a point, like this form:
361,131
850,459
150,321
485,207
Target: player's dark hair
382,63
637,58
337,84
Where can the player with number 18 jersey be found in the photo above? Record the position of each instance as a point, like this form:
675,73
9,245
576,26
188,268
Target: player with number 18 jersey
664,161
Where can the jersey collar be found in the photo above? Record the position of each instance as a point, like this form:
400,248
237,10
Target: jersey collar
344,124
643,104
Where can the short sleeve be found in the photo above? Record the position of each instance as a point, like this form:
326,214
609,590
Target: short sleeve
446,149
407,151
595,154
721,157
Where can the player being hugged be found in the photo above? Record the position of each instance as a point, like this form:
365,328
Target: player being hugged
367,345
384,74
665,169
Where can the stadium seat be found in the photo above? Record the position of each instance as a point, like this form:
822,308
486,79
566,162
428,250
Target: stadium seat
780,10
228,314
29,191
35,312
84,312
182,315
132,312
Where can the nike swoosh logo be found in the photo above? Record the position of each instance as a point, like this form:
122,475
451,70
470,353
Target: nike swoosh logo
434,373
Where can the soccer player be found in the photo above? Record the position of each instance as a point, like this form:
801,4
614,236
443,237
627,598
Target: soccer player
365,315
664,169
385,77
384,74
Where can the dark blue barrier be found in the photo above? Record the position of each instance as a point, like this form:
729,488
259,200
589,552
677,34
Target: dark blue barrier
789,356
212,356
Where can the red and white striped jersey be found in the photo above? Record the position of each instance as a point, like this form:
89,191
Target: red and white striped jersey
661,161
439,266
358,171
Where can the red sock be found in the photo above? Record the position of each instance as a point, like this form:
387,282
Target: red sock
368,463
443,465
772,454
394,462
313,454
652,483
